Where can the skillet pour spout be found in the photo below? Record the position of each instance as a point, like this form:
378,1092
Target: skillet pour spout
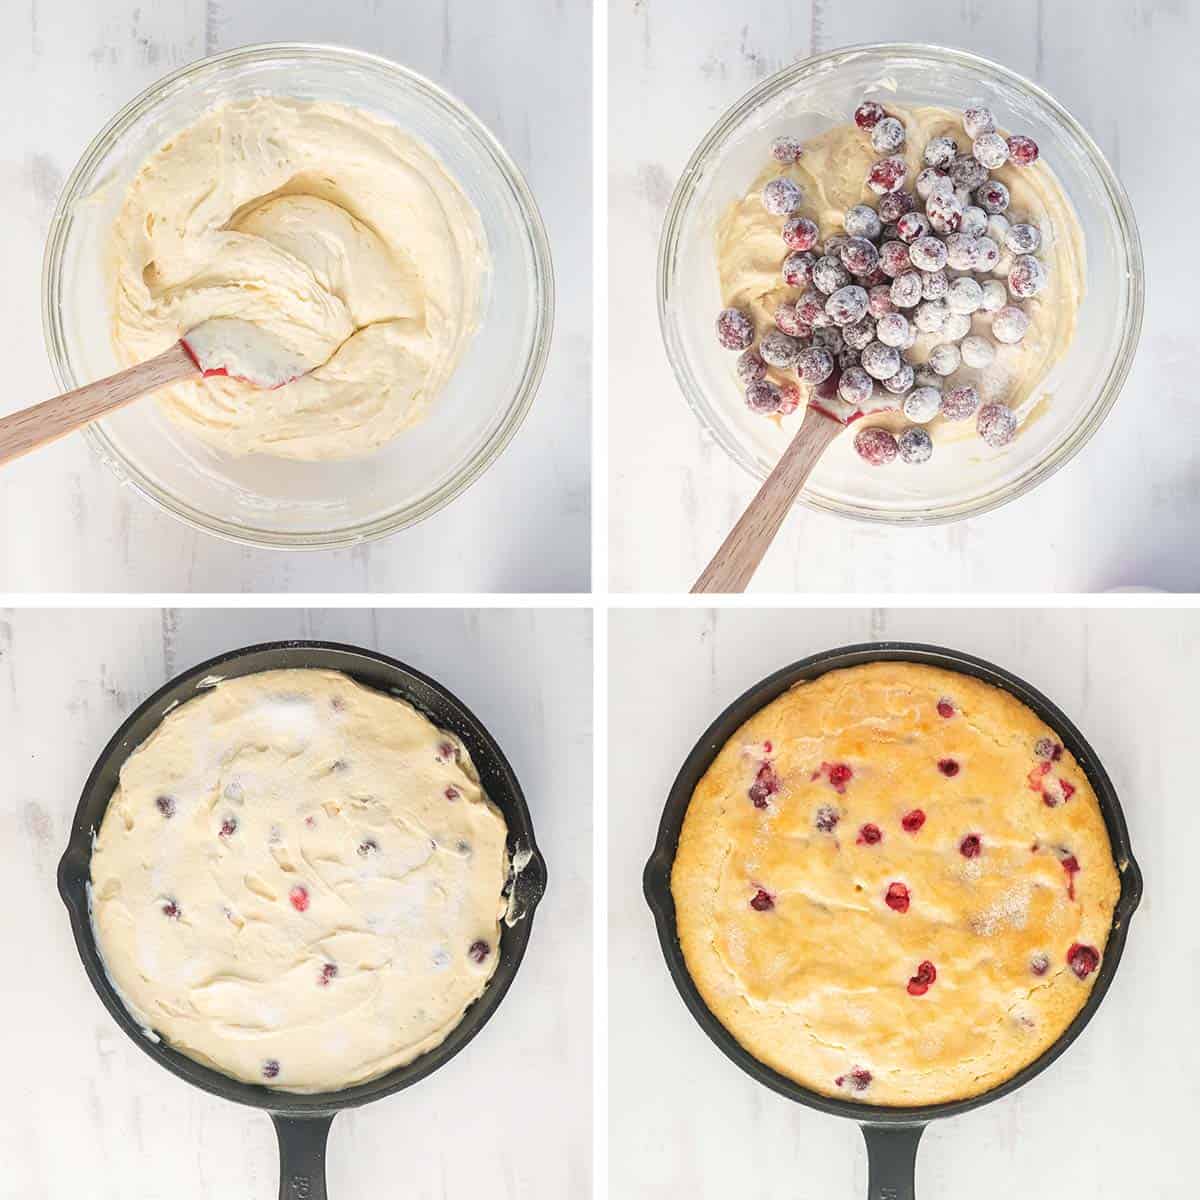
302,1122
892,1135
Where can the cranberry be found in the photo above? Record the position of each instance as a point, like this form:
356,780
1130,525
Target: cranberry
959,403
328,971
892,329
945,212
880,361
810,308
827,818
996,424
859,256
750,366
945,359
887,135
814,364
948,767
228,827
911,226
991,150
970,846
452,793
478,951
765,785
940,151
928,254
968,172
781,197
763,397
171,909
848,304
869,835
868,114
978,352
1023,238
1022,150
894,205
916,446
977,119
860,334
762,901
1083,960
1039,964
906,289
1070,864
912,821
1009,325
165,805
855,386
786,320
879,299
828,274
1068,789
877,446
858,1079
992,196
1046,747
367,846
893,259
779,350
896,897
862,221
735,330
922,404
270,1069
827,389
930,179
1027,277
945,707
797,269
299,897
786,149
921,982
789,399
799,233
887,175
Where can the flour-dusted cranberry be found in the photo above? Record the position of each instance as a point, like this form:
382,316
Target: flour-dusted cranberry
893,206
478,951
897,897
848,304
945,212
922,404
801,234
827,818
797,269
887,135
921,982
862,221
868,114
955,327
1039,964
165,805
831,247
786,149
971,846
906,289
1048,748
750,366
928,254
880,361
779,350
960,403
1083,960
810,308
948,767
912,820
996,424
788,321
228,827
945,359
789,399
911,226
934,285
1027,277
367,847
830,337
893,259
961,251
765,785
1070,864
940,151
859,256
978,352
828,274
270,1069
892,329
857,1080
814,364
992,196
977,119
1022,238
916,446
974,221
964,295
860,334
763,397
968,172
781,197
899,383
1022,150
877,446
995,296
299,897
762,901
879,298
931,316
848,358
991,150
930,180
735,330
171,909
855,386
887,175
869,835
328,972
827,389
1010,325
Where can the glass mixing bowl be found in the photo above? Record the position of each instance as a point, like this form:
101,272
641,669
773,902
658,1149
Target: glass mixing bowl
810,97
265,501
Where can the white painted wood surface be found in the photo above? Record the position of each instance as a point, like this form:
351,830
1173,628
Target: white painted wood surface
65,524
1123,513
1113,1118
85,1114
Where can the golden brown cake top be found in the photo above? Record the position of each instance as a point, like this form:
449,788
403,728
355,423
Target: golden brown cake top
894,885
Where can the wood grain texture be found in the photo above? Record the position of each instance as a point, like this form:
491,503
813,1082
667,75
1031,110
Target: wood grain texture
738,557
1123,513
66,524
1095,1124
509,1118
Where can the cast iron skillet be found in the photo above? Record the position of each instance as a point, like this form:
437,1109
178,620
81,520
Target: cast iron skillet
302,1121
891,1134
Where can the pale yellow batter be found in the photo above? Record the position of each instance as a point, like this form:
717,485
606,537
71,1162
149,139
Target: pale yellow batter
334,231
832,174
298,881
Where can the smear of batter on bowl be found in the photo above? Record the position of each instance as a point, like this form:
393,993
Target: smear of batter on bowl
335,231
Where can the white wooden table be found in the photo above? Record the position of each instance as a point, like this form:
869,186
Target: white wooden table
65,524
85,1113
1123,513
1112,1118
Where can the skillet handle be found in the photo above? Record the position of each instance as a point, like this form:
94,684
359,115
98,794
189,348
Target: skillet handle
892,1159
302,1155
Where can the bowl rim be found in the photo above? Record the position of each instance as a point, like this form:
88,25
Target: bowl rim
542,281
1114,191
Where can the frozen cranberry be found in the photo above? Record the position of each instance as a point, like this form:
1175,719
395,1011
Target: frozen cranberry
228,827
922,404
996,424
799,233
968,172
877,446
797,269
913,820
879,299
789,399
978,352
887,175
787,321
928,254
858,1079
1027,277
848,304
367,847
901,381
810,308
299,897
779,350
977,119
974,221
781,197
830,337
1083,960
171,909
945,212
828,274
868,114
970,846
896,897
735,330
948,767
855,386
165,805
847,358
832,246
859,255
945,359
1009,325
880,361
762,901
869,835
911,226
893,259
960,403
328,971
827,818
934,285
906,289
478,951
860,333
992,196
1022,150
991,150
887,135
930,180
920,983
930,317
940,151
763,397
916,446
814,364
750,366
861,221
892,329
1022,238
765,785
270,1069
827,389
894,205
786,149
955,327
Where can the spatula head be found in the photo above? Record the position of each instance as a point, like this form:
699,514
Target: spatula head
243,350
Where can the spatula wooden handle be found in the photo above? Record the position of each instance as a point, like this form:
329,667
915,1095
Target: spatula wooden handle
33,427
734,564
